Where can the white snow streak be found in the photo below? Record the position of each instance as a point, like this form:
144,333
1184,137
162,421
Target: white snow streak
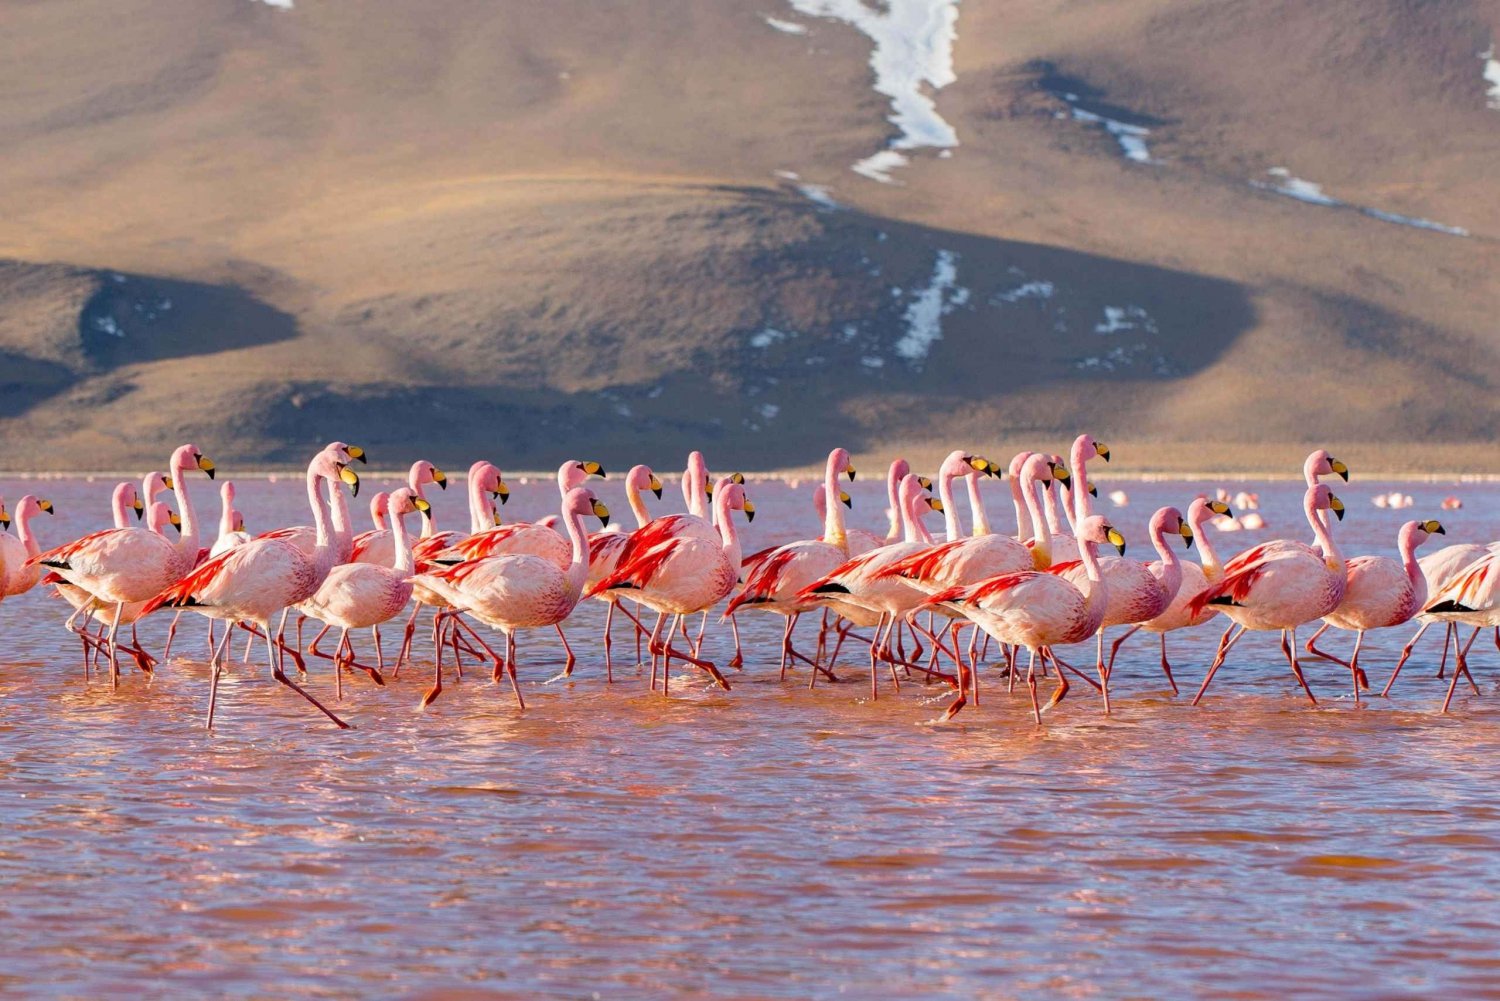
278,4
1307,191
913,47
924,314
790,27
1491,77
1030,290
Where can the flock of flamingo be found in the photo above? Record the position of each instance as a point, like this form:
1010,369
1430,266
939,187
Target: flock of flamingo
1041,589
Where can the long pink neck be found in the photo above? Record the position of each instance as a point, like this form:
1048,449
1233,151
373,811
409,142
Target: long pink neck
578,569
226,512
378,511
188,543
118,506
1041,546
1406,542
1310,477
343,530
634,499
403,564
1171,568
1322,533
834,531
727,533
893,498
319,507
1019,503
478,512
1054,513
976,506
23,527
951,527
1208,556
695,486
1083,505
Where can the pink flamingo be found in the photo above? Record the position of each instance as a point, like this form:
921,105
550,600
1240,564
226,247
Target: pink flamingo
1138,592
605,548
378,546
1439,569
1195,578
518,590
484,479
19,571
1381,592
122,565
1280,585
1469,597
774,583
266,576
683,575
856,590
231,523
364,595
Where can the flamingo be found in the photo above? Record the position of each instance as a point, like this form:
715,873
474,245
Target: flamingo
378,546
856,590
1470,597
774,583
364,595
1280,585
484,478
133,564
1195,577
19,571
158,517
518,590
683,575
1381,592
231,523
1138,592
1439,569
1036,609
266,576
605,548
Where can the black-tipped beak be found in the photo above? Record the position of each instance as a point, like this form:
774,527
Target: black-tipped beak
1093,490
846,500
206,465
139,508
440,478
1339,468
350,477
749,511
850,473
657,492
595,469
355,452
46,505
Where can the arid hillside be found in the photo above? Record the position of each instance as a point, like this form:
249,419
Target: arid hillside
1209,233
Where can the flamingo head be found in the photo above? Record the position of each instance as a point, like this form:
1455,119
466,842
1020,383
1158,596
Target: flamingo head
1320,498
1085,447
404,500
580,502
188,457
487,475
1203,510
423,472
239,522
915,498
1044,469
1320,463
1170,520
1096,529
739,478
379,506
731,497
226,493
160,516
156,483
30,506
330,466
126,496
1420,531
839,462
346,453
642,478
573,473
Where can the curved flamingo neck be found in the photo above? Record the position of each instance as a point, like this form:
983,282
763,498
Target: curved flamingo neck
1406,542
1322,533
897,528
1054,514
1019,503
1083,505
835,533
578,568
977,512
695,486
319,507
343,530
478,511
188,543
919,529
158,517
403,564
1088,552
118,507
637,504
1171,567
1041,546
951,527
1208,556
727,533
378,511
226,511
24,512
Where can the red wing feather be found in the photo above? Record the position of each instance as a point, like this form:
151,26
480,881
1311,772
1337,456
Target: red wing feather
921,566
637,571
64,552
186,588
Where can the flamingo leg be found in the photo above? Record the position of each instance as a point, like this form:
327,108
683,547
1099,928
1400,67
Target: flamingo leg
432,693
216,667
738,660
1405,653
1036,710
1166,665
280,676
114,647
1114,648
651,647
1226,643
1355,673
166,653
1450,635
404,657
786,644
510,667
1062,679
1290,649
568,665
1460,665
609,664
875,659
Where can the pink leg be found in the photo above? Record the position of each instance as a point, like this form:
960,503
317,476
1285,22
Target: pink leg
1405,653
1226,643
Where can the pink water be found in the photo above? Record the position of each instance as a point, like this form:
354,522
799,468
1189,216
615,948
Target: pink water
765,842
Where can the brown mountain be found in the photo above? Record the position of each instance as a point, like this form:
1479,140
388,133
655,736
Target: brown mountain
520,230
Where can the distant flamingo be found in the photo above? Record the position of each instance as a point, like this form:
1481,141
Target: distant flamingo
1381,592
518,591
133,564
857,591
774,583
1195,578
604,554
1039,610
683,575
1280,585
364,595
256,581
19,571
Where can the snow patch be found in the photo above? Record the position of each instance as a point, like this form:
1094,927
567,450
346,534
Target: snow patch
1030,290
1313,194
1118,318
1491,77
765,338
878,166
790,27
872,361
278,4
924,314
913,47
107,325
819,195
1126,356
768,411
1132,138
